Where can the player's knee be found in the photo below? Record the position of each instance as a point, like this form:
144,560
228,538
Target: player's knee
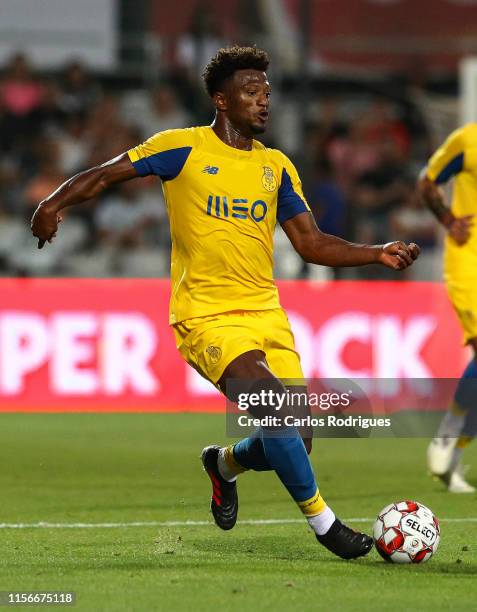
271,392
247,374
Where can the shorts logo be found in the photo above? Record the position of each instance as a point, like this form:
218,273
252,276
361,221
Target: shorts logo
269,181
214,352
469,315
466,317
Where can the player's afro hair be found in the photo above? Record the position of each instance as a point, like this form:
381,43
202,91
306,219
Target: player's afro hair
226,61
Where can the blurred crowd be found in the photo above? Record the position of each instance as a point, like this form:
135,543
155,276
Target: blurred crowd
361,183
358,161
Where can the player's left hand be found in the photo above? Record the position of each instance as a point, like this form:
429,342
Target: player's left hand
44,224
398,255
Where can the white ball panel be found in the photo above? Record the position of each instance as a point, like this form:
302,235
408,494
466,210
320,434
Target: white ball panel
378,529
402,506
424,514
400,557
392,518
389,536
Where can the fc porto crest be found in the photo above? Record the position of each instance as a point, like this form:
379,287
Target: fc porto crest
269,181
214,352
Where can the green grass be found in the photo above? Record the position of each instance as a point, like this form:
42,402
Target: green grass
124,468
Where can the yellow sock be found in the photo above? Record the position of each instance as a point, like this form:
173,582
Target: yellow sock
457,410
313,506
228,466
320,517
463,442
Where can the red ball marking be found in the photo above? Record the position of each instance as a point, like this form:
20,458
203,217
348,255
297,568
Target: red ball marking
393,545
418,557
382,549
397,541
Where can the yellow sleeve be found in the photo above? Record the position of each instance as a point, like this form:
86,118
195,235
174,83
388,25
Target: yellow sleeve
164,154
291,200
449,159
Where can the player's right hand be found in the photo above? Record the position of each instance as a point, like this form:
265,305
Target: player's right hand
44,224
459,229
398,255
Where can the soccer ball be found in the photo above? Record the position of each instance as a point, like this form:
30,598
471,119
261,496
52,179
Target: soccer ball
406,532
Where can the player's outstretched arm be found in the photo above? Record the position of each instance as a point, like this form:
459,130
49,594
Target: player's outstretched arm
79,188
432,196
326,250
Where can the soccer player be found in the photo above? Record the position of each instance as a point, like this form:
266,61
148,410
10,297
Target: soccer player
224,192
457,158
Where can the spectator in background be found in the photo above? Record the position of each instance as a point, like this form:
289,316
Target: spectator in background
21,94
377,192
50,116
79,90
193,50
382,124
126,215
357,150
351,153
106,132
48,176
414,222
4,140
10,188
74,148
358,179
328,205
155,112
327,201
326,127
200,42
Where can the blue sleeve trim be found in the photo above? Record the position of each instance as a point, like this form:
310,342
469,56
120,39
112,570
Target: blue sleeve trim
289,202
453,167
166,164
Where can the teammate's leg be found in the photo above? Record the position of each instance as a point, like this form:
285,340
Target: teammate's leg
285,452
457,429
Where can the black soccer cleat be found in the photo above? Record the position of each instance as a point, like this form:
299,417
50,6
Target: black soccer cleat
224,501
344,542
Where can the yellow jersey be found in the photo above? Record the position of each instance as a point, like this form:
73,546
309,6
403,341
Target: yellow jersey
457,157
223,204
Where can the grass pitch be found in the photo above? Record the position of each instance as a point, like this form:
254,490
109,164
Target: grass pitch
122,469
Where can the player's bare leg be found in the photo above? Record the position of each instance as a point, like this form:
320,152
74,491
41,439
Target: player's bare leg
281,449
457,429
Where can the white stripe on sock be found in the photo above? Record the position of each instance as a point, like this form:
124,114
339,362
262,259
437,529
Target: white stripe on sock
223,467
322,522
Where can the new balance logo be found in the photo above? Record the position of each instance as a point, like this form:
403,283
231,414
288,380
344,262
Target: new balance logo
210,170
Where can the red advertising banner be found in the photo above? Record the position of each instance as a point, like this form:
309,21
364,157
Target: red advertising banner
105,345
